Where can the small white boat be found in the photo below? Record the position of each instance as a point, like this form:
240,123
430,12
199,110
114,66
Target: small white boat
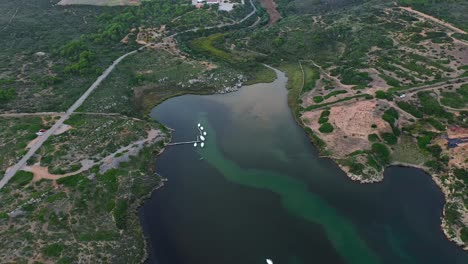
199,124
201,128
195,144
269,261
202,138
202,144
204,133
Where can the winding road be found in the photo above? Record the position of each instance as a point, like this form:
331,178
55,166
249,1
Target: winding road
11,171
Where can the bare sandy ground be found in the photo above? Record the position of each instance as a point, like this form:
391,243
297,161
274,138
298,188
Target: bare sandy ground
458,156
377,82
100,2
273,13
352,125
62,129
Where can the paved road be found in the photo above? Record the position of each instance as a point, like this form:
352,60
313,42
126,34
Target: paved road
31,114
32,150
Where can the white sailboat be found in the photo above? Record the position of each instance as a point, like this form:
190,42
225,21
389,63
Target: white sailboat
269,261
195,144
202,144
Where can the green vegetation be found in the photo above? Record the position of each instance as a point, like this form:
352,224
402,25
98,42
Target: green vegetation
457,99
407,151
430,106
294,85
95,205
262,75
389,138
6,95
77,43
390,115
373,137
311,75
324,117
326,128
464,234
318,99
366,96
150,77
21,178
62,153
334,93
384,95
452,11
53,250
435,123
120,214
390,81
424,140
381,152
51,54
410,108
206,44
15,134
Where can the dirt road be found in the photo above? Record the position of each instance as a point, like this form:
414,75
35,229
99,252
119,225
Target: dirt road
34,147
32,150
435,85
436,20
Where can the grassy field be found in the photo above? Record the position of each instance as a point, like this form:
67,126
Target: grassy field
207,45
262,75
407,151
295,82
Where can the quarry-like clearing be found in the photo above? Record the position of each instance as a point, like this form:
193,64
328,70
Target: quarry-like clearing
352,124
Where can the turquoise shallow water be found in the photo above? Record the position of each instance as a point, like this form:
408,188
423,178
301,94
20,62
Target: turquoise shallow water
259,190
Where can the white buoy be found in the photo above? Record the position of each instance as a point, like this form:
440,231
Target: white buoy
201,128
204,133
199,124
202,144
202,138
269,261
195,144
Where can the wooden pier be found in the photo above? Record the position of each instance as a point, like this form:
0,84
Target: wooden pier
183,143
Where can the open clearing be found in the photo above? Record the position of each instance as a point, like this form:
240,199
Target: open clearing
273,13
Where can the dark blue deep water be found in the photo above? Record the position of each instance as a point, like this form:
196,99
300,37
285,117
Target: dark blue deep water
259,190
